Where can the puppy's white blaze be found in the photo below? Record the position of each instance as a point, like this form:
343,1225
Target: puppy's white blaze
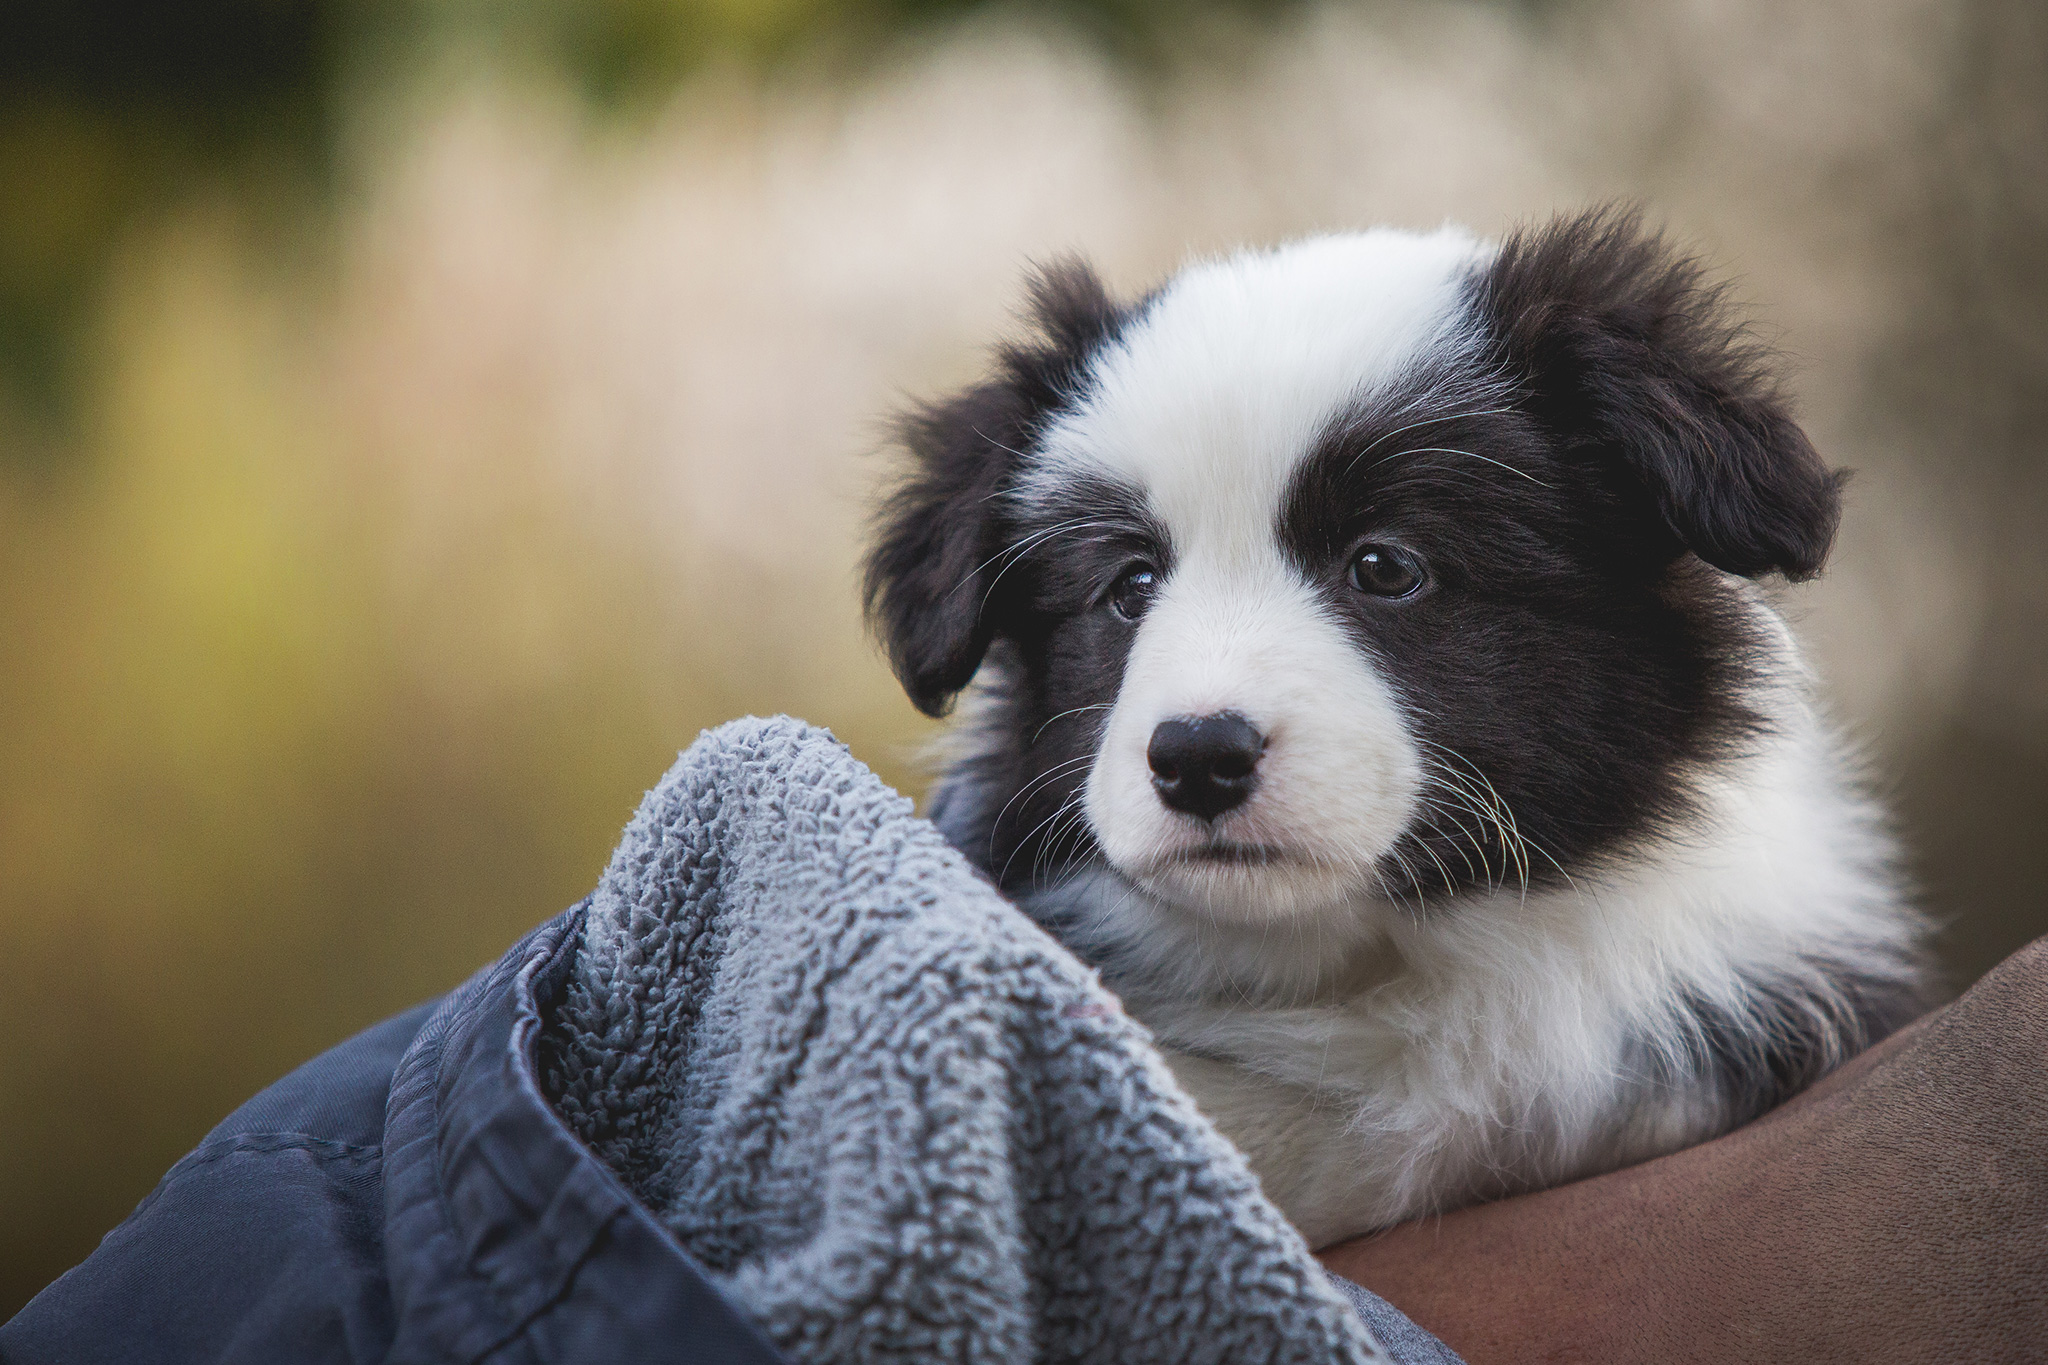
1207,405
1237,631
1225,380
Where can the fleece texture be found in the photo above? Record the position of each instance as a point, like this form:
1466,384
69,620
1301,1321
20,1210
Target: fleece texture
892,1117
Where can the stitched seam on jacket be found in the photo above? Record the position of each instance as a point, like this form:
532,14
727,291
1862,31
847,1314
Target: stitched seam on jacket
257,1144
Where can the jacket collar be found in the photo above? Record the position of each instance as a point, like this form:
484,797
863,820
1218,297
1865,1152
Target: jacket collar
502,1231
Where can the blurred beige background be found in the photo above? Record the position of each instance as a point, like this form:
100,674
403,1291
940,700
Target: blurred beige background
418,420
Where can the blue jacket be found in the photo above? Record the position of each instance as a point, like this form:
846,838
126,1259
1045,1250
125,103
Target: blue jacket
406,1197
409,1197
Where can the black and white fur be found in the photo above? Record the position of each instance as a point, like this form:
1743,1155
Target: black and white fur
1548,865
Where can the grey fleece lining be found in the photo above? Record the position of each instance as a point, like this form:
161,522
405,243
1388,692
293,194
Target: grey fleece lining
894,1119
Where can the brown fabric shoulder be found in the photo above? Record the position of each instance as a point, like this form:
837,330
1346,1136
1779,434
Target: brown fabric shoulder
1896,1212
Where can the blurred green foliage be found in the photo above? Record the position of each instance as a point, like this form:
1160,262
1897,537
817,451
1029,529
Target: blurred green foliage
110,110
622,49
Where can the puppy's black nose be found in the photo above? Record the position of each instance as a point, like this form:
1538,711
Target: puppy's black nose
1205,765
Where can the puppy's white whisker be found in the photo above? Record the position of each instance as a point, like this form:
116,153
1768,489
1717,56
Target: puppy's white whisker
1007,450
1425,422
1052,774
1022,547
1447,450
1025,842
1026,551
1071,711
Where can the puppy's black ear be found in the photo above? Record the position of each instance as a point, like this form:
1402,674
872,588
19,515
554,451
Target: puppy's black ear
1631,359
941,536
925,575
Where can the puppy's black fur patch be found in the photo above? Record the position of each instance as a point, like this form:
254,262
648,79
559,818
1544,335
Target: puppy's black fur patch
1626,355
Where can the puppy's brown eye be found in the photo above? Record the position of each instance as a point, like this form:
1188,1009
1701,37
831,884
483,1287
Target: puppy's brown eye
1132,592
1385,571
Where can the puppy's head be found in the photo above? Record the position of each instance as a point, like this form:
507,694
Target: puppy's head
1370,568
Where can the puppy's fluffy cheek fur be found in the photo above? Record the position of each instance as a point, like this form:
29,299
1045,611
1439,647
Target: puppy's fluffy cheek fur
1337,784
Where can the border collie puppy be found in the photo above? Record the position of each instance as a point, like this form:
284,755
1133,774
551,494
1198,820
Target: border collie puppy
1369,677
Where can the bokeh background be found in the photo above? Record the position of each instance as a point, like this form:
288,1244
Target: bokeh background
419,417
